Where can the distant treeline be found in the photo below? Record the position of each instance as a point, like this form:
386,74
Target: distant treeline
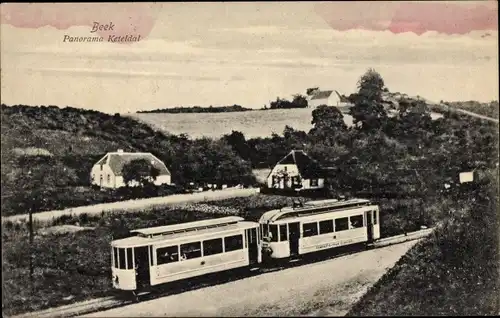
199,109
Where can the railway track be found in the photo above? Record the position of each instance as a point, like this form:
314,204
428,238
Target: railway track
100,304
80,308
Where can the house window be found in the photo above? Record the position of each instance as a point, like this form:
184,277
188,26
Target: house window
93,177
285,168
314,182
109,178
274,180
100,179
101,167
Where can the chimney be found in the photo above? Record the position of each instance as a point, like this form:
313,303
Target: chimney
120,150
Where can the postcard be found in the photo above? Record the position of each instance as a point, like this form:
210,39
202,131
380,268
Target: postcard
250,158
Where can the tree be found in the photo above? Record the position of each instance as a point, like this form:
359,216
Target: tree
328,122
238,143
368,111
299,101
140,171
311,91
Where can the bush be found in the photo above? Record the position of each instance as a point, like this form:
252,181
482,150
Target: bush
456,267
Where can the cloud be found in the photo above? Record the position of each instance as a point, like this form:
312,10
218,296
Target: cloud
416,17
121,74
127,18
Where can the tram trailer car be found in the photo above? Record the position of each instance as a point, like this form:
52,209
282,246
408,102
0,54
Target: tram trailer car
170,253
318,225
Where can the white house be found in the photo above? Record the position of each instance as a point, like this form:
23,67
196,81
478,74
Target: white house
107,172
296,171
328,98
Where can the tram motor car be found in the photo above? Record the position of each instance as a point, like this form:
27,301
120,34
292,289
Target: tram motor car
318,225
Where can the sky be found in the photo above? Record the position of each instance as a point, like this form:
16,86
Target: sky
245,53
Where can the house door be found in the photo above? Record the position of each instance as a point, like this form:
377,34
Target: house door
253,246
293,238
141,259
369,225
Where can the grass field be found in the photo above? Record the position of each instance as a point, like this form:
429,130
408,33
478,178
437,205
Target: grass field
257,123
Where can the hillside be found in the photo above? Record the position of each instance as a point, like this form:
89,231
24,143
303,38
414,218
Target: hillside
455,271
47,154
253,124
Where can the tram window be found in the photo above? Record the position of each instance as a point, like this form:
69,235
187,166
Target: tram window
273,232
375,217
121,261
326,226
283,234
167,254
115,256
341,224
265,230
190,250
151,255
130,264
233,243
212,247
310,229
356,221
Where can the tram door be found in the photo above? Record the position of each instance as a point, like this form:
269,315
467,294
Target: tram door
142,266
369,225
294,236
253,246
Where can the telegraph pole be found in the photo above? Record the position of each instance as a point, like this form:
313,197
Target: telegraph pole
31,244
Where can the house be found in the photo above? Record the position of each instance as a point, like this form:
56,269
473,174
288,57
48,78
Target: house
107,172
328,98
296,171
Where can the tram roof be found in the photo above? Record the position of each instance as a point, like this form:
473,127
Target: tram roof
317,206
178,237
188,226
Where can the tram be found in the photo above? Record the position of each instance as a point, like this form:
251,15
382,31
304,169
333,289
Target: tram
318,225
169,253
164,254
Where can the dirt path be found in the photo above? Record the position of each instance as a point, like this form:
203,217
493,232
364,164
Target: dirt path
326,288
134,205
466,112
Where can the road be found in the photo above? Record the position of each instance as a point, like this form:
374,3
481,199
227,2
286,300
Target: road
476,115
459,110
134,205
327,288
